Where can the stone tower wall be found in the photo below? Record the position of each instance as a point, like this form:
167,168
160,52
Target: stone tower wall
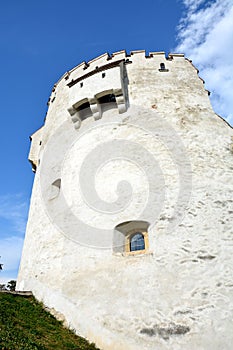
161,136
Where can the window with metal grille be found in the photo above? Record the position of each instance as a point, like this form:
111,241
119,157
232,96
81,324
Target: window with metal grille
137,242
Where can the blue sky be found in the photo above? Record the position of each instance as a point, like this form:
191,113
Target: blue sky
40,40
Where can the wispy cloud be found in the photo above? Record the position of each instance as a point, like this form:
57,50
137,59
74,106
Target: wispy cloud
13,217
10,248
193,4
13,209
205,35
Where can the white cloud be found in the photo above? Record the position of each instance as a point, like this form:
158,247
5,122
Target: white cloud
13,216
13,208
205,35
193,4
11,248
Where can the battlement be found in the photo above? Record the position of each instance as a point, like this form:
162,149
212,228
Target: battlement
108,74
93,66
117,81
77,76
120,79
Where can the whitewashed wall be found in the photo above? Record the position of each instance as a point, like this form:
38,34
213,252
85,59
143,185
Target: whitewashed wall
179,294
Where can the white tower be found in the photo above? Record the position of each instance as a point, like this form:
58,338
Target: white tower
129,235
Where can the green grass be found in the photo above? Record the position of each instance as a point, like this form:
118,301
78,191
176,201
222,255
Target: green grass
25,325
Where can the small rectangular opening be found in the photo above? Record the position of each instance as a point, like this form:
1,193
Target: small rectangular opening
163,68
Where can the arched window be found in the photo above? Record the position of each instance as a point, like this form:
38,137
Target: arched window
137,242
131,237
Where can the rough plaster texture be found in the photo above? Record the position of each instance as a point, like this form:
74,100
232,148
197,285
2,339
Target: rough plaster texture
178,295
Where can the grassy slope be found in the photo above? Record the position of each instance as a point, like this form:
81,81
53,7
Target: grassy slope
25,325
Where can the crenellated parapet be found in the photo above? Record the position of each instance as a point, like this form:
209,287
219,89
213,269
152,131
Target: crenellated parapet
108,61
104,79
118,80
79,77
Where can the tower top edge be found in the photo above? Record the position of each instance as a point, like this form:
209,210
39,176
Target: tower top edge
101,60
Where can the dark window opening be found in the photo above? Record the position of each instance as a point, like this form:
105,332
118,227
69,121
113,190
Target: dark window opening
84,111
107,102
137,242
103,75
162,66
81,85
107,98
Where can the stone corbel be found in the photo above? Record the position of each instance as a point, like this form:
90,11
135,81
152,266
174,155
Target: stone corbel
75,117
120,100
95,108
